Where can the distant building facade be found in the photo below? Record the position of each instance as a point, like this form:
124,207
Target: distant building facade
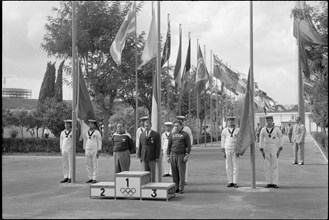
16,93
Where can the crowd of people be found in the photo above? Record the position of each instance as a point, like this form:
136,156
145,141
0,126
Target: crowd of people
174,147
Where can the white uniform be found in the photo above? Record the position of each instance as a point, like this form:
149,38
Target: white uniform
270,141
188,130
92,144
66,147
164,146
229,142
139,131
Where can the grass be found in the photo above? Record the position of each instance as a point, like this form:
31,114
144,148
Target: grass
322,140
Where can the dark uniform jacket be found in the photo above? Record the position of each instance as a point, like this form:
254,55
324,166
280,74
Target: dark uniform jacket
149,148
122,142
179,143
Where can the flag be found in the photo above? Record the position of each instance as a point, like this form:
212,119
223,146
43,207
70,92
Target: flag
225,74
150,48
307,32
303,60
246,135
154,111
85,109
127,29
178,66
187,67
202,75
166,48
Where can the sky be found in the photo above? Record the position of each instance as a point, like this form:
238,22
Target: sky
222,27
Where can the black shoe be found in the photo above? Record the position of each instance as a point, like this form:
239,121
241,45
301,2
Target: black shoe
165,175
65,180
301,163
94,181
89,181
230,185
69,180
236,185
294,162
181,191
275,186
268,186
185,183
177,190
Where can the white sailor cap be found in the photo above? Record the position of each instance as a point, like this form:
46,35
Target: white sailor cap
181,117
144,118
168,123
67,121
268,116
92,120
230,118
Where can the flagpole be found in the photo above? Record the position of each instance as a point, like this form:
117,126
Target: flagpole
180,89
252,147
197,104
136,74
189,88
159,177
301,108
74,76
168,84
205,100
211,96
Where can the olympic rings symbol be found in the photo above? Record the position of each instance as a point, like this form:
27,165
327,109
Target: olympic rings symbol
128,191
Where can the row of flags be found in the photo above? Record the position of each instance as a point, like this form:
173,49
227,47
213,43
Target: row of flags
232,80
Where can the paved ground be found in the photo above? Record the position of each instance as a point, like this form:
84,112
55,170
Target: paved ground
31,189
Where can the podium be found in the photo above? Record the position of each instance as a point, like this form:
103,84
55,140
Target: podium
134,185
158,191
128,183
102,190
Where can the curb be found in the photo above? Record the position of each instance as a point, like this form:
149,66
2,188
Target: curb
319,148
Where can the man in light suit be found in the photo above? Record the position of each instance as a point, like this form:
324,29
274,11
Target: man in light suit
149,149
298,138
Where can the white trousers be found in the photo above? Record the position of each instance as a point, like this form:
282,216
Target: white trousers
271,167
166,167
186,171
67,163
91,164
232,166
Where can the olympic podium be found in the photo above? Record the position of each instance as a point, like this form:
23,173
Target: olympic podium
128,183
134,185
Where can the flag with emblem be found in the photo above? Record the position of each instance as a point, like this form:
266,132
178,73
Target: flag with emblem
246,135
166,48
202,75
127,29
178,66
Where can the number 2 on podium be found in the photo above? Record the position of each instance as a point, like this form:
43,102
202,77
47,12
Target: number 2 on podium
102,192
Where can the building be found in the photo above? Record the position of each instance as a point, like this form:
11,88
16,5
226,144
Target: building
16,93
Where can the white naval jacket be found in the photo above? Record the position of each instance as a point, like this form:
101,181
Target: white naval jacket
164,142
65,141
270,139
92,140
227,141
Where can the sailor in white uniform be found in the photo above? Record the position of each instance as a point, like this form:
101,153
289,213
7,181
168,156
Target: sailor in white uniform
270,145
164,146
66,147
229,143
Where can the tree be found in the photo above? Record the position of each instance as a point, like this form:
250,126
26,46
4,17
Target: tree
318,55
48,84
21,119
53,113
97,25
59,83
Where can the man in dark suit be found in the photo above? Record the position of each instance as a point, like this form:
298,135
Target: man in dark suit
149,149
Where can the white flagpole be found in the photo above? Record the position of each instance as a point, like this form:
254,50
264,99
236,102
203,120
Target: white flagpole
252,147
158,72
74,101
